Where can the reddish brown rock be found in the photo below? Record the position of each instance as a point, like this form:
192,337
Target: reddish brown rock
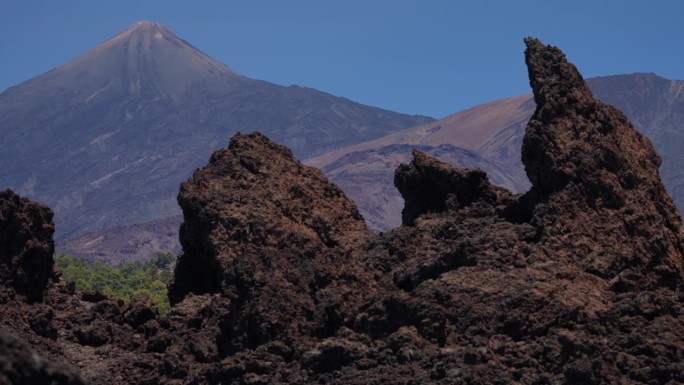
602,202
20,365
26,245
256,195
429,185
278,242
579,281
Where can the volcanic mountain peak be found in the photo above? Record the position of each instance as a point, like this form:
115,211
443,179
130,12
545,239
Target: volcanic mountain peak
156,57
144,60
147,25
143,34
143,110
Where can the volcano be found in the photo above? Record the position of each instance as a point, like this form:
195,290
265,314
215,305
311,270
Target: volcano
106,138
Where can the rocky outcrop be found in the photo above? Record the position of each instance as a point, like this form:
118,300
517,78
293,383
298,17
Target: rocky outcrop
276,239
26,245
253,196
489,137
26,269
429,185
586,161
578,281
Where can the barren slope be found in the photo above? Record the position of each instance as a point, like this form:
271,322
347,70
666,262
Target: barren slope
107,138
494,132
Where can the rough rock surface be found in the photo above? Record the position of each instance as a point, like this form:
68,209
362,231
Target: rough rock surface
578,281
586,161
489,137
26,244
429,185
277,241
19,365
256,196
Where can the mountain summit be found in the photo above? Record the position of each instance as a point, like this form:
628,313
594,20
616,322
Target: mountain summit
144,60
151,60
107,138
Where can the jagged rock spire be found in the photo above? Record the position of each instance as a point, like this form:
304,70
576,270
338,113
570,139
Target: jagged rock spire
585,159
554,81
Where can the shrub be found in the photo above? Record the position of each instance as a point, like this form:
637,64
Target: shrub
149,278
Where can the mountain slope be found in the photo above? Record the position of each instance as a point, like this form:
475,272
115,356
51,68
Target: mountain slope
106,138
494,132
578,281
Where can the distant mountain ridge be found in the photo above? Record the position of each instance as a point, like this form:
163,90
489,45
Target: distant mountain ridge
488,136
494,131
106,138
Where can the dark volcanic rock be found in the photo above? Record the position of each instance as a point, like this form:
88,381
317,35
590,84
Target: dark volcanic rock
489,137
26,244
276,239
19,365
256,195
578,281
586,161
367,176
429,185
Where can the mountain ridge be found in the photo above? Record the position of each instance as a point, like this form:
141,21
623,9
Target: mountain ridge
495,130
366,174
106,139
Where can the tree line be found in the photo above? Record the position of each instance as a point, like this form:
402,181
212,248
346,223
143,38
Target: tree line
149,278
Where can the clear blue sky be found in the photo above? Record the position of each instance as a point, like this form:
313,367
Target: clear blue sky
431,57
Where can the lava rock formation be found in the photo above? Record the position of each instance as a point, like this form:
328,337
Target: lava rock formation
26,245
578,281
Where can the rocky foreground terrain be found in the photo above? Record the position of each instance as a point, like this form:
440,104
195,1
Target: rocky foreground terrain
577,281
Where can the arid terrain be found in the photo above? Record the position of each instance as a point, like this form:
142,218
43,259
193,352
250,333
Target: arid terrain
579,280
106,138
490,137
487,137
